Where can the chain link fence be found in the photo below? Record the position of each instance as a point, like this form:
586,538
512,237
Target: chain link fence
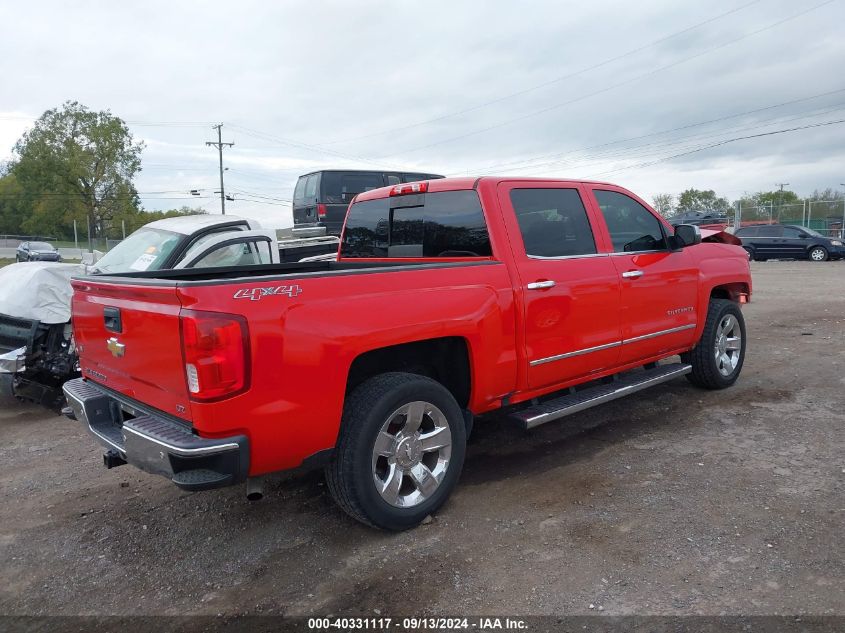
823,216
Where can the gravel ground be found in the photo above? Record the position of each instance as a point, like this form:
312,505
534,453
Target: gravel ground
672,501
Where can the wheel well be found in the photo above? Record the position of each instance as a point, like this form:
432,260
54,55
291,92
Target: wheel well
446,360
729,291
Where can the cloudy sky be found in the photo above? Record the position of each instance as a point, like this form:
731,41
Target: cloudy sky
646,94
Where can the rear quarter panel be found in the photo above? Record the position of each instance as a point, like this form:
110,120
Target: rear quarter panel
303,346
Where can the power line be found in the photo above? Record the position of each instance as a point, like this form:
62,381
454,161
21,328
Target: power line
659,146
724,142
544,84
611,87
515,164
289,143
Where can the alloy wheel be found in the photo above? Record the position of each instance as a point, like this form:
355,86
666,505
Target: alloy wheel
411,454
728,345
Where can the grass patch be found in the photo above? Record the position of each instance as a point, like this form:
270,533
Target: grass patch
5,261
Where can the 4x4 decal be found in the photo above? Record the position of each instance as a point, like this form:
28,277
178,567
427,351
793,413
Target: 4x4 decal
254,294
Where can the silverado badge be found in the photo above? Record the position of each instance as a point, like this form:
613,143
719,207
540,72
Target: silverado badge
116,348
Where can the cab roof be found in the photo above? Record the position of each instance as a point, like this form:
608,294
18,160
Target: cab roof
459,183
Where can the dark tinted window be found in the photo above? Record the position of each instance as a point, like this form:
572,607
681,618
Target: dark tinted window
771,231
446,224
393,179
413,177
553,222
40,246
311,187
632,227
792,233
340,187
299,191
750,231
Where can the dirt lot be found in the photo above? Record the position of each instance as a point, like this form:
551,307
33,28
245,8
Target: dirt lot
675,501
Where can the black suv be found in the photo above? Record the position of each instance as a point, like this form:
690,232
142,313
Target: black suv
780,241
321,198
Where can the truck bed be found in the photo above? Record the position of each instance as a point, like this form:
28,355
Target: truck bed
277,271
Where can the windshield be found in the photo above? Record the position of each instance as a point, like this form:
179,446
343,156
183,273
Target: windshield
40,246
145,249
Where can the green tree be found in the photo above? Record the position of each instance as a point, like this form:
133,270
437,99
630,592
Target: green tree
75,164
701,200
134,219
664,204
13,205
765,204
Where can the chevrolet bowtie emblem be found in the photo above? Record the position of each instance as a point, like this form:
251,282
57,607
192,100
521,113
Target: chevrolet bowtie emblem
116,348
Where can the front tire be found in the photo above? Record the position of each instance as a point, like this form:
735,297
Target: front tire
400,450
718,358
818,254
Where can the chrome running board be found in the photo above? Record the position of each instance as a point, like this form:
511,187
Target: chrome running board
624,385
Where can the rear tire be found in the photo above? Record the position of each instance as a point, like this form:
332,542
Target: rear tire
718,358
400,450
818,254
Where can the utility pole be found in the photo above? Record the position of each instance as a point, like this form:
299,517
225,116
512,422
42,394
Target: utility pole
780,195
842,228
219,145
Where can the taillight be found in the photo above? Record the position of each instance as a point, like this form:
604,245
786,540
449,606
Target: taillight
215,347
321,210
409,188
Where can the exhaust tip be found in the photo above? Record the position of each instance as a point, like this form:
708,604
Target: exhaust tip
254,489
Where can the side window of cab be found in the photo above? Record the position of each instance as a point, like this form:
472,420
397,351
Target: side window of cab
553,223
632,227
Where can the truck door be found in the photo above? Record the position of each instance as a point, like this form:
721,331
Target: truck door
659,287
570,288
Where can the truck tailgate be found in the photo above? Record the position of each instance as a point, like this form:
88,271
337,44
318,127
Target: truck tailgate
129,341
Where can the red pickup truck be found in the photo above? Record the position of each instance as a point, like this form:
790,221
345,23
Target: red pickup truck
449,299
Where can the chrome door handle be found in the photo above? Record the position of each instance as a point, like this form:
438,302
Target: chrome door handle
632,274
539,285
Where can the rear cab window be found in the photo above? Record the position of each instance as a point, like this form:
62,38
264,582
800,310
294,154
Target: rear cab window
442,224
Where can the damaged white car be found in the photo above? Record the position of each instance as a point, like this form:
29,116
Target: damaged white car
37,353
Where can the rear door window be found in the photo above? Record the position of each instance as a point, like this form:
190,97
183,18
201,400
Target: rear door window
444,224
553,222
311,187
751,231
340,187
771,231
299,191
632,227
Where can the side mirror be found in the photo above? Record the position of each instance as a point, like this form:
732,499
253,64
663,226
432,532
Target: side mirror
687,235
